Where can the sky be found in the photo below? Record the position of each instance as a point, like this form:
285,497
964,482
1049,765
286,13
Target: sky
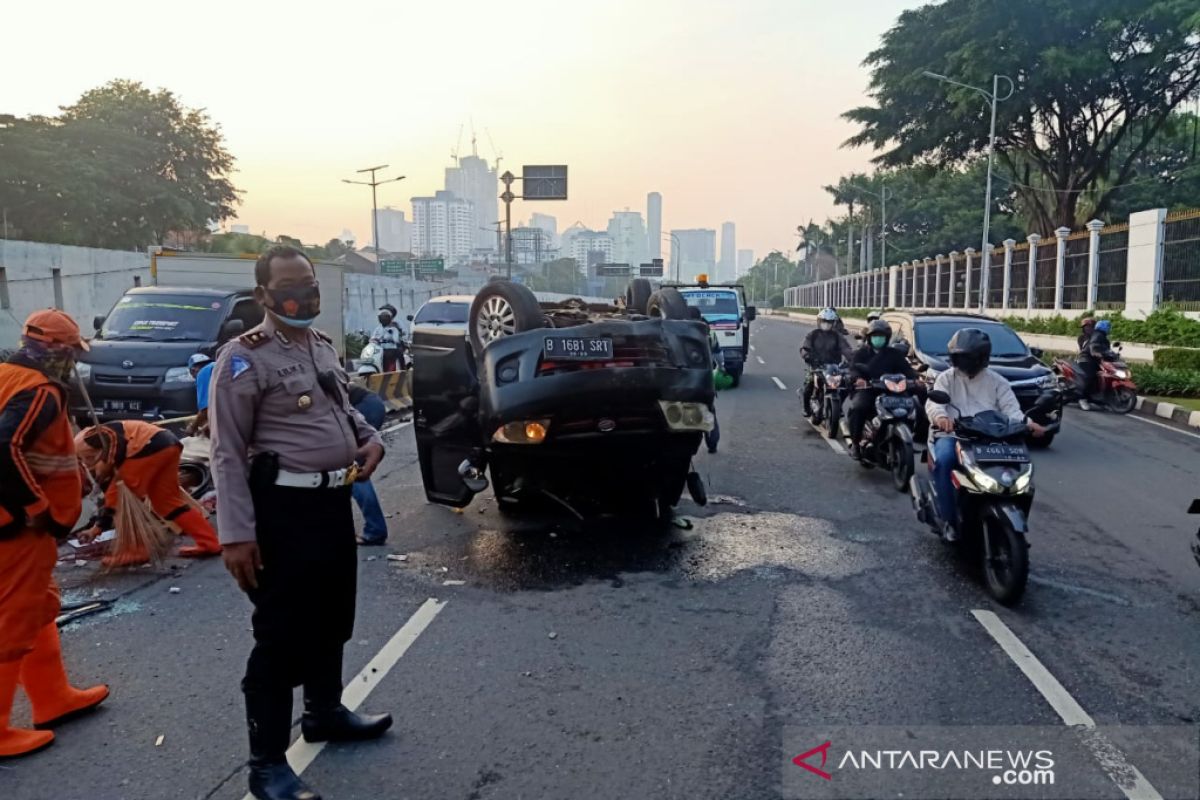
730,109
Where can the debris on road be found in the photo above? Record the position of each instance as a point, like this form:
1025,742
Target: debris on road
454,583
174,590
553,635
158,742
397,557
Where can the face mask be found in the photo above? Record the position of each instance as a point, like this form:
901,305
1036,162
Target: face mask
878,342
384,319
296,307
56,362
826,326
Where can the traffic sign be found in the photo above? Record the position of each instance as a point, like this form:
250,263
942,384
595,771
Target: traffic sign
544,182
420,266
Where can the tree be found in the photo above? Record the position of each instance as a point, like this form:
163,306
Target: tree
123,167
1165,175
1095,82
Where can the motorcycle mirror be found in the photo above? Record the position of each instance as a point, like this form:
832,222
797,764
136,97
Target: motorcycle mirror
1116,345
939,397
922,367
1037,352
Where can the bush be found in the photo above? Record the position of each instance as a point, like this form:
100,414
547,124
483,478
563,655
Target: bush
1177,358
355,342
1165,326
1165,381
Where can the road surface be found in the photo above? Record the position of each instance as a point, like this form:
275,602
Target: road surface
624,662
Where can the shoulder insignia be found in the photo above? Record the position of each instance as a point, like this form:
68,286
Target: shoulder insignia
254,338
322,334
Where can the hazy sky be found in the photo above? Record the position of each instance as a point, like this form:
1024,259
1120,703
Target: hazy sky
730,109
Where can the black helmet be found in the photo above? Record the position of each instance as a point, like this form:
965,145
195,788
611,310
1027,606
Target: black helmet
879,327
970,350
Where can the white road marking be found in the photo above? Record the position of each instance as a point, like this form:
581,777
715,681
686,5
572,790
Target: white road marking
760,360
834,444
395,427
303,753
779,383
751,348
1162,425
1129,780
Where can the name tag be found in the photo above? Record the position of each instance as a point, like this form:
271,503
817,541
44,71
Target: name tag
290,369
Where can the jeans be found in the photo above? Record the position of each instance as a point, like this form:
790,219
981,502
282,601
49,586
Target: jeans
945,460
374,524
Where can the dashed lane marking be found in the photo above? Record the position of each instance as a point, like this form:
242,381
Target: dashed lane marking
1129,780
396,427
779,383
760,360
834,444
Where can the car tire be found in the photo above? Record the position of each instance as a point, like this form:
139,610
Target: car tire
667,303
637,294
502,308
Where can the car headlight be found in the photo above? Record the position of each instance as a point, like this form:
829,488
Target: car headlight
686,416
528,431
84,370
178,375
1048,381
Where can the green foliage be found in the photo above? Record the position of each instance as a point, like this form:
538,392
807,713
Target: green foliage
561,275
1128,65
242,243
124,167
1164,381
1165,326
355,342
1177,358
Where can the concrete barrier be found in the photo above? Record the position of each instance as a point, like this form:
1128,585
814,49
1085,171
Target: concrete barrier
394,388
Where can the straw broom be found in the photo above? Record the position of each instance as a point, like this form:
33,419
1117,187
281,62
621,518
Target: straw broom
139,529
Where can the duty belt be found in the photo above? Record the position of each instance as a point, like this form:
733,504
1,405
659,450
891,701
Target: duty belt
318,480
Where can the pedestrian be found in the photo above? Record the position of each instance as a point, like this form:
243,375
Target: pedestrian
712,437
200,365
390,337
41,495
287,445
145,458
373,409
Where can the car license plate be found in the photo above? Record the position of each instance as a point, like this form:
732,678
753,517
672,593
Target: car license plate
123,405
1001,452
578,347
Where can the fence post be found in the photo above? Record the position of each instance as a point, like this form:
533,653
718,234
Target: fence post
1093,283
892,286
925,283
1060,266
1143,277
970,252
950,293
904,298
985,276
1031,290
1009,244
937,280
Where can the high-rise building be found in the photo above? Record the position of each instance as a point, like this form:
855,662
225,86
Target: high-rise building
745,260
442,226
547,223
727,265
628,236
693,251
395,231
589,248
654,224
531,245
475,181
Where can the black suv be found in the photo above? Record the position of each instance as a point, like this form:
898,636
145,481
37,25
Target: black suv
928,334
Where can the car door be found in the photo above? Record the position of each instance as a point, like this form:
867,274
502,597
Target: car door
445,395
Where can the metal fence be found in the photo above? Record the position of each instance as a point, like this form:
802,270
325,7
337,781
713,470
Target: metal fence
1114,266
996,278
1047,274
1181,261
1075,272
1019,276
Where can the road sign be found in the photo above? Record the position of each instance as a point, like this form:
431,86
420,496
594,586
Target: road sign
652,270
544,182
422,267
613,270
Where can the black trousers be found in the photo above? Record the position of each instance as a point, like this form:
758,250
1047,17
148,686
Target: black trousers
862,408
1086,373
303,606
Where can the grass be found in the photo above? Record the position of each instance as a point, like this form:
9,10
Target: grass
1191,403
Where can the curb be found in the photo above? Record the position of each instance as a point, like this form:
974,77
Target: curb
1167,411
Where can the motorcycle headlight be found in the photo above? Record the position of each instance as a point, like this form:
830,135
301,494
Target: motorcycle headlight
833,381
983,480
1024,480
1123,374
178,376
898,387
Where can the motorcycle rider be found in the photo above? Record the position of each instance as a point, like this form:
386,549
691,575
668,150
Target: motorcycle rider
390,338
1096,349
870,362
973,388
821,346
1086,326
871,317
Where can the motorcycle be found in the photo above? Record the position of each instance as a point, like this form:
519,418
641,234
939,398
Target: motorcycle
994,488
372,356
887,438
1116,390
825,405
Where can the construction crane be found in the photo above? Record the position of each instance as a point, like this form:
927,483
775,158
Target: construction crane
498,154
457,145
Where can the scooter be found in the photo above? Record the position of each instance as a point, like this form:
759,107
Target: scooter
825,406
1117,391
994,488
887,438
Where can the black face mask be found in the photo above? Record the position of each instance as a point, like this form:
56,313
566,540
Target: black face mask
298,307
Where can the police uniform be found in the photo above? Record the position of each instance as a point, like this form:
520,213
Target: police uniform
284,442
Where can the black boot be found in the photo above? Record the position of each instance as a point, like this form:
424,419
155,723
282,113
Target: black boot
269,719
325,718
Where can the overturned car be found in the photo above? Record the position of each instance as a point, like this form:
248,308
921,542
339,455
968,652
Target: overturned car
588,409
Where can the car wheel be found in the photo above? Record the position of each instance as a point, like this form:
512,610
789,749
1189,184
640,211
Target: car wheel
502,308
637,294
667,303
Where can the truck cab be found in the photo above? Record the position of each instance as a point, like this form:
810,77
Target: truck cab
137,365
724,309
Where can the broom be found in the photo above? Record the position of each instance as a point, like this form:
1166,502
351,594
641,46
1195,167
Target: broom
139,529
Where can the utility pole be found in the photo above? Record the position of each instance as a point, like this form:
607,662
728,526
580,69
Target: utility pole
374,184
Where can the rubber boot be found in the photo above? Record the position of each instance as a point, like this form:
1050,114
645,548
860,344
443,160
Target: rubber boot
193,524
269,721
325,718
44,677
16,742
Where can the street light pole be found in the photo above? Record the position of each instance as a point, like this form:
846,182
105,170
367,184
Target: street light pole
374,201
883,196
993,98
676,246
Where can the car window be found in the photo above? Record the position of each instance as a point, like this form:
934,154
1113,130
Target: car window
713,304
933,337
442,314
163,318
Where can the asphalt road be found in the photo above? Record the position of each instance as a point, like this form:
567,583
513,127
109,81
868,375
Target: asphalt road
628,662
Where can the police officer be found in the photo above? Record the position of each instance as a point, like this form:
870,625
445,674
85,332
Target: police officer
286,447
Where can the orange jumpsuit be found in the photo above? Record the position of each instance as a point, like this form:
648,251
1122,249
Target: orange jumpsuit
145,458
40,496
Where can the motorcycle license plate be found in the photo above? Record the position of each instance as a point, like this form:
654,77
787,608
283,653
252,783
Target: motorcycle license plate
1001,452
583,348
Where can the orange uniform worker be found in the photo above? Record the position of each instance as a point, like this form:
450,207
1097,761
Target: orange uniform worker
145,458
40,499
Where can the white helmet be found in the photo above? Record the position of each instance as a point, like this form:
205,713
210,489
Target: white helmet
827,315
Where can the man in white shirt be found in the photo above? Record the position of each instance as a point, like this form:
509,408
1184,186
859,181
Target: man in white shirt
389,337
973,388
